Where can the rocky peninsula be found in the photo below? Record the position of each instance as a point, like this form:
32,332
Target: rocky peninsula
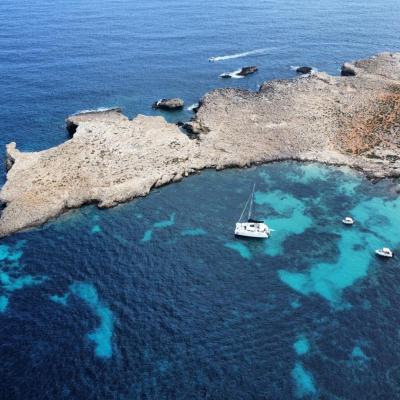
351,120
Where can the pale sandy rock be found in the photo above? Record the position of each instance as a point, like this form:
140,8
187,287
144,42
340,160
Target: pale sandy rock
351,120
110,114
169,104
106,162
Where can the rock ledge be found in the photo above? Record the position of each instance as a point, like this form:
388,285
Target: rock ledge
351,120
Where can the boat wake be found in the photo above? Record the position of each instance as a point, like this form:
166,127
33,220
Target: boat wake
238,55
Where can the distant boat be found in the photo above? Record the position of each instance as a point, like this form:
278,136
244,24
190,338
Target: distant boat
251,228
348,221
384,252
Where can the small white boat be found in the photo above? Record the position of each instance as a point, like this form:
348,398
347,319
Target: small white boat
251,228
348,221
384,252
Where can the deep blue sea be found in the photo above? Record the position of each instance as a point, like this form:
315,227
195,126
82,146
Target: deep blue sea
156,299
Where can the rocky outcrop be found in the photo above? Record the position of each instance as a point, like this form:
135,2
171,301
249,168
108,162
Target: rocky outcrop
111,159
240,72
227,75
317,118
9,156
195,128
73,121
248,70
169,104
348,70
304,70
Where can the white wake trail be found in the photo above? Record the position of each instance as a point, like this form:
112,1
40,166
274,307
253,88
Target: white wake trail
238,55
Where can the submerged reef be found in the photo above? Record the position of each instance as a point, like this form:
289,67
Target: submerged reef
301,346
303,381
241,248
12,275
102,335
349,120
329,280
158,225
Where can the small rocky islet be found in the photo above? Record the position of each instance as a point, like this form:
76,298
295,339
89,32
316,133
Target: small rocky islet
173,104
242,72
352,119
304,70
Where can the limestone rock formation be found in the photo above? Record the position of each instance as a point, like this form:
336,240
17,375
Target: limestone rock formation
304,70
169,104
110,159
73,121
244,71
352,121
248,70
348,70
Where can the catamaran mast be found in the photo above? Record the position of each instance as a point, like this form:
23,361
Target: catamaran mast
244,209
250,198
251,202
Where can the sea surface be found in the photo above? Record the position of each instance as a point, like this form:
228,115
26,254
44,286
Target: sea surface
155,299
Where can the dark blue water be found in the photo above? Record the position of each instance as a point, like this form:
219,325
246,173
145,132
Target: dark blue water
155,299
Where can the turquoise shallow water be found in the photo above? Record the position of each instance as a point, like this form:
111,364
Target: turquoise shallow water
187,308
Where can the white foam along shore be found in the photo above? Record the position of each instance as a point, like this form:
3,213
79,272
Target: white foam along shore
233,74
99,110
343,120
193,106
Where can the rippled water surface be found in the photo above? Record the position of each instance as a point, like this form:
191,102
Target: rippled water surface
156,299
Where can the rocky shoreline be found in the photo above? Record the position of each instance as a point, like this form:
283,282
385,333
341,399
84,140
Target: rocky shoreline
351,120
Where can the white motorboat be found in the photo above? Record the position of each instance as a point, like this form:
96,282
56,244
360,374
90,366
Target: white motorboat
251,228
348,221
384,252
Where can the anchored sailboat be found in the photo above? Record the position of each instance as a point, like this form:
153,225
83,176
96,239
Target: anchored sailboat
252,228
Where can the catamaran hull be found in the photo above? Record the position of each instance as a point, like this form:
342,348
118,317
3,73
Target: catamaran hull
252,228
257,230
383,254
258,235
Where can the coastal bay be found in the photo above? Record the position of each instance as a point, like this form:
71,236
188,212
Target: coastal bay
155,298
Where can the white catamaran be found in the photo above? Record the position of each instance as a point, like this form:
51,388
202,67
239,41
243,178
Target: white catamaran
252,228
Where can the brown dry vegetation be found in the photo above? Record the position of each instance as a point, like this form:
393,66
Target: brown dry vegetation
376,124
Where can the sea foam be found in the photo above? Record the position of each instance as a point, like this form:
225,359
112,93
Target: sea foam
98,110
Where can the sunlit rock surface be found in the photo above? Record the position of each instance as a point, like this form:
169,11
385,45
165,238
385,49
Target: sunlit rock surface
349,120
